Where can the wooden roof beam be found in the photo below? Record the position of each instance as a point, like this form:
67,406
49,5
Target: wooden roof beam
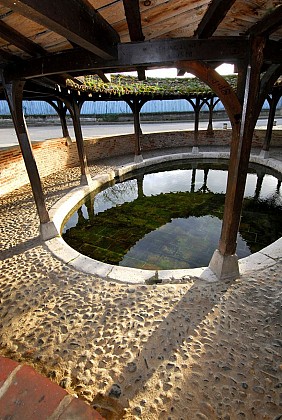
21,42
74,20
158,53
214,15
268,24
133,18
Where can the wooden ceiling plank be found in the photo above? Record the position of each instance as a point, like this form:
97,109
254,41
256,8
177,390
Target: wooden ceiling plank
268,24
72,19
21,42
215,13
133,18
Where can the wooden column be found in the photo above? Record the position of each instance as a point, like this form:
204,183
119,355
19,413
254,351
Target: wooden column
196,106
224,262
74,108
136,116
14,95
135,105
273,101
61,110
211,105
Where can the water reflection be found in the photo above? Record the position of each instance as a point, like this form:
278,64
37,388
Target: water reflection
171,218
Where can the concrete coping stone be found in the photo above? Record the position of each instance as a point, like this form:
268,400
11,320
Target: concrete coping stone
67,204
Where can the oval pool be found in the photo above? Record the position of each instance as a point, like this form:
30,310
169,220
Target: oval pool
169,216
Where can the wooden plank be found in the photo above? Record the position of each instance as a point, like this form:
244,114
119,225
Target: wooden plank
25,26
178,14
215,13
15,38
90,30
270,23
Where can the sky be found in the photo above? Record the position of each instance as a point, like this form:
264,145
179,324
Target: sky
224,69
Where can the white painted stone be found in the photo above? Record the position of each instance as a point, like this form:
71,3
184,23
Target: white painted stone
130,275
273,250
62,250
90,266
255,262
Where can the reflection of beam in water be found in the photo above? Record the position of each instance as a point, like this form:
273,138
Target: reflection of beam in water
193,180
204,188
278,186
140,180
80,216
258,185
89,203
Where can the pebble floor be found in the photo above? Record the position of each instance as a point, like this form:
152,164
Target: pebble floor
187,351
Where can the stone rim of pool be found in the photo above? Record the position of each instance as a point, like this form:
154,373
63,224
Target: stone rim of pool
59,212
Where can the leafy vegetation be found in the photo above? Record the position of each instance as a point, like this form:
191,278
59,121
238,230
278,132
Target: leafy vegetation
121,85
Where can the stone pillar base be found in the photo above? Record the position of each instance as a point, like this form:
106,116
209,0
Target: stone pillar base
224,267
138,158
68,140
195,149
48,231
86,179
264,154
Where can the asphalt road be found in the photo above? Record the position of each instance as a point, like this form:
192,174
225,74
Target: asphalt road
8,136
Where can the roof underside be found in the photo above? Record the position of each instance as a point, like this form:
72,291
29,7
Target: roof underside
48,41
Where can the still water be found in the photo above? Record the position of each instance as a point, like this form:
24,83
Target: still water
170,216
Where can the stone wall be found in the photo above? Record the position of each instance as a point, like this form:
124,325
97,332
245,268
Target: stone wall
55,154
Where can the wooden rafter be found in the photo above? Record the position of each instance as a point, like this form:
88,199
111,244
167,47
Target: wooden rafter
102,76
133,18
215,13
269,24
21,42
72,19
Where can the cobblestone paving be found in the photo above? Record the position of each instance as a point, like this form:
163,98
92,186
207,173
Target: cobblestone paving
177,351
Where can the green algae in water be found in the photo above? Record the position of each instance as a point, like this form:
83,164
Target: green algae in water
171,230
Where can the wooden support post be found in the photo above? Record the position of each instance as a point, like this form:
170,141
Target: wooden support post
224,262
211,105
197,107
135,105
272,109
74,109
14,95
136,116
62,110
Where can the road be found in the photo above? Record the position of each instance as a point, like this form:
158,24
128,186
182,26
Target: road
8,136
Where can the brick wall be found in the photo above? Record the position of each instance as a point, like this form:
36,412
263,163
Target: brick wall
55,154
